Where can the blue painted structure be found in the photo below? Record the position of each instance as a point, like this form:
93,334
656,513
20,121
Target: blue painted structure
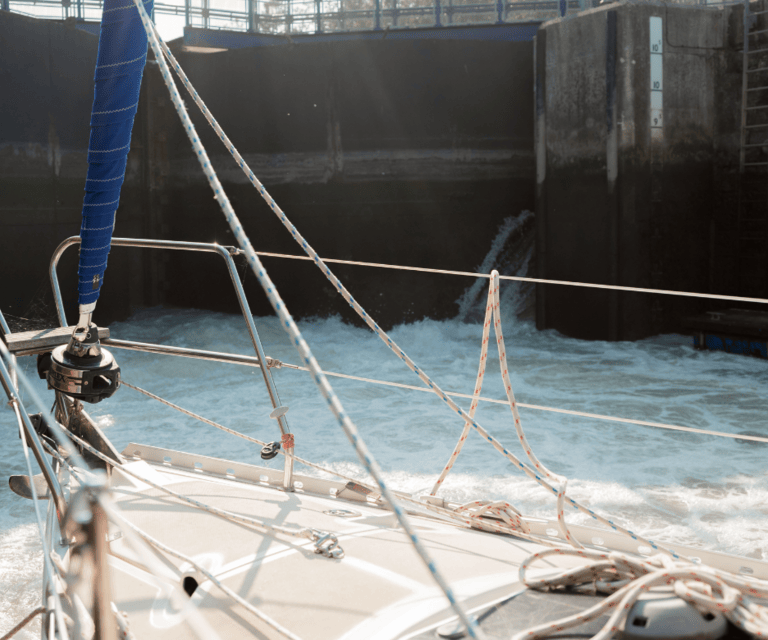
742,346
742,331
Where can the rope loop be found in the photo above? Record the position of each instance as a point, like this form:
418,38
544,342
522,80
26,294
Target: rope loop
481,513
626,578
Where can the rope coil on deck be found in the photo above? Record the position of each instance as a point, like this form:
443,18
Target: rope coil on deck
626,578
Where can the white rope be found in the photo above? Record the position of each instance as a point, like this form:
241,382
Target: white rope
494,293
290,326
475,395
627,577
493,308
292,329
472,520
561,481
511,516
587,285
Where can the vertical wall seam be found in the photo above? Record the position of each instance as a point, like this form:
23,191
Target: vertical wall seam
612,168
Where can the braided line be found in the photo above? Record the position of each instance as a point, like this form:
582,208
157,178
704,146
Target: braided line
517,528
626,578
291,328
475,395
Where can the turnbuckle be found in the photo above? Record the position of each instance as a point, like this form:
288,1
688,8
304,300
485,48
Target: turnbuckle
327,544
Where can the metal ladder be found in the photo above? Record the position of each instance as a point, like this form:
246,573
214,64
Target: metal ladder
752,223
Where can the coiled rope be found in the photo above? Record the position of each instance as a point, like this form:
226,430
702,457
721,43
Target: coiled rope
627,577
291,326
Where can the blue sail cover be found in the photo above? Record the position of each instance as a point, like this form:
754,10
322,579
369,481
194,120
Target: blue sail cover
119,67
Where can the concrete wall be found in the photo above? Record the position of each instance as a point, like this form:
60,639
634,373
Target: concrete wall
621,200
403,152
407,152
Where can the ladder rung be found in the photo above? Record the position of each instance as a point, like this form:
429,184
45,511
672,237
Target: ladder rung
754,33
756,164
756,13
748,52
757,70
758,89
755,126
756,144
762,106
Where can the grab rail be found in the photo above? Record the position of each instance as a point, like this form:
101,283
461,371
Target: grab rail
226,252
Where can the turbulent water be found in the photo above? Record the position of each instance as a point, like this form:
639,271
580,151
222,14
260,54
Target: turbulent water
689,488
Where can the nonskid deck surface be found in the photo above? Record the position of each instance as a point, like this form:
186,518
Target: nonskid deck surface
379,589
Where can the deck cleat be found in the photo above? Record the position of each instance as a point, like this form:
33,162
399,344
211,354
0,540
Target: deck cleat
83,369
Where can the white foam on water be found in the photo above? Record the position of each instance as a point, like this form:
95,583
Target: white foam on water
687,488
21,582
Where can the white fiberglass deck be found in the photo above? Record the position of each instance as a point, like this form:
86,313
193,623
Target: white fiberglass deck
378,590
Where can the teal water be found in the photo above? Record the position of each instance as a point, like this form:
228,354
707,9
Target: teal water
687,488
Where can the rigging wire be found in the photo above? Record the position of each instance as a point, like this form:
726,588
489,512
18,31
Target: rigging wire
290,325
50,574
472,519
569,283
570,412
292,329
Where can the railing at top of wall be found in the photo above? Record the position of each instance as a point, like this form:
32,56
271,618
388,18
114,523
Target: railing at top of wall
287,17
